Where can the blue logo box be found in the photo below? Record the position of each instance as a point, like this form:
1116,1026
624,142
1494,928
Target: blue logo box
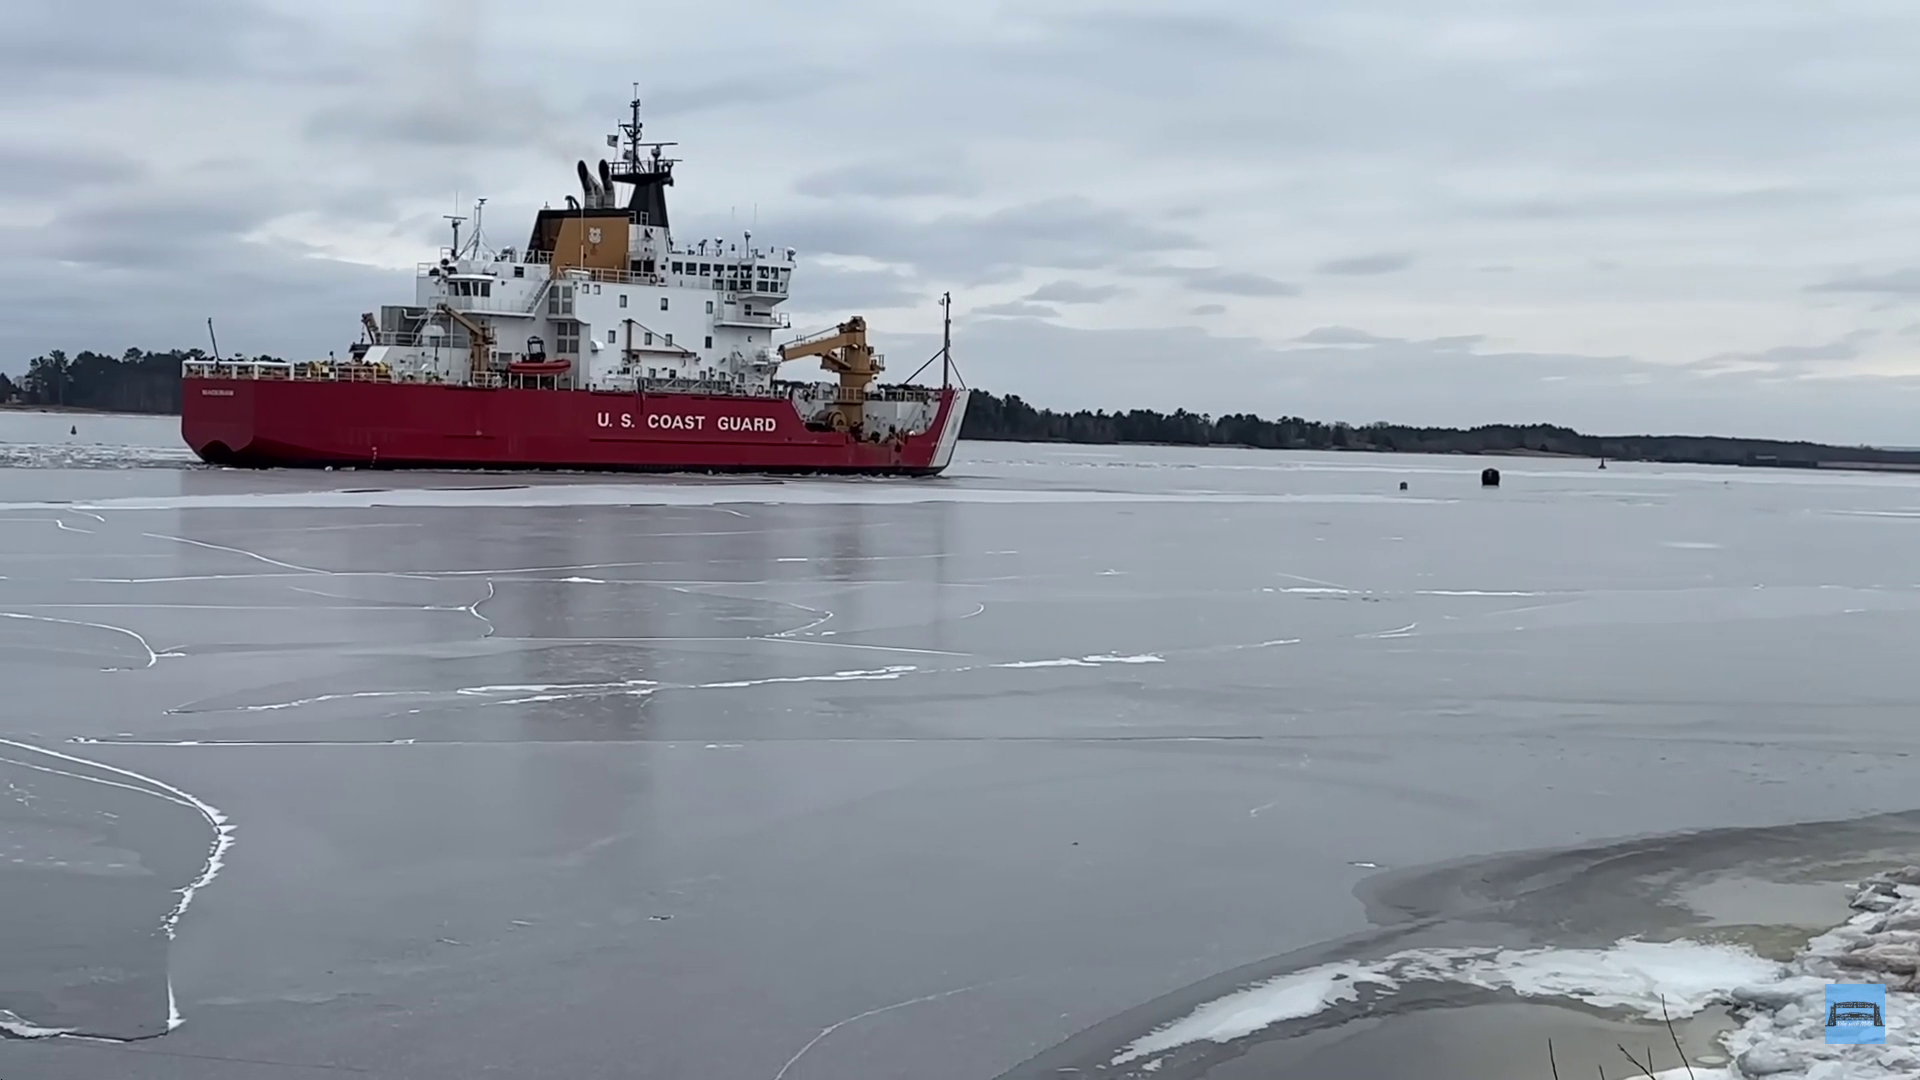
1856,1013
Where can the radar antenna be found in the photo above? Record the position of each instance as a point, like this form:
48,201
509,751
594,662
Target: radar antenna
631,161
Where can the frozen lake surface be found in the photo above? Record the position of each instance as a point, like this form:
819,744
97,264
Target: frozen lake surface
996,773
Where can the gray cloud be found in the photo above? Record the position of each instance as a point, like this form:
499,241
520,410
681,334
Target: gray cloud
1903,282
1074,292
143,228
1018,309
263,298
896,180
1345,335
833,292
1234,283
1382,263
1084,49
1849,347
72,50
1063,233
1435,382
1720,166
1652,203
1207,309
39,171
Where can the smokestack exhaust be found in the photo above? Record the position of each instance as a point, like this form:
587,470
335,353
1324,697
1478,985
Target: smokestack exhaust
589,188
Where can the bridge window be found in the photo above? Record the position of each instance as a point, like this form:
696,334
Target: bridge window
669,339
709,341
623,299
566,338
679,268
519,271
560,300
709,307
663,303
610,338
649,339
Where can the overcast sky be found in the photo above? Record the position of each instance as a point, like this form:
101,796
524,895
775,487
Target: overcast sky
1623,215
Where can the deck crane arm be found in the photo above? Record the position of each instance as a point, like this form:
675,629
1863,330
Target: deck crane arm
479,342
844,351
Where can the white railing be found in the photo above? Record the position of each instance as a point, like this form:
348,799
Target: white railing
349,371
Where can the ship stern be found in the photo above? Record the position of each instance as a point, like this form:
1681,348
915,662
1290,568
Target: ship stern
216,419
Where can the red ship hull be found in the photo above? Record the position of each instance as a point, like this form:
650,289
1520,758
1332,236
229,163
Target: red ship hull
299,423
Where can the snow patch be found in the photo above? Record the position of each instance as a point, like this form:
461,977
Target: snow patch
1631,974
13,1025
869,675
1289,997
1085,661
1783,1036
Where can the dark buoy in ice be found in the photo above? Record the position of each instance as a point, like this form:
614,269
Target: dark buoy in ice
1403,485
74,430
1489,477
1603,463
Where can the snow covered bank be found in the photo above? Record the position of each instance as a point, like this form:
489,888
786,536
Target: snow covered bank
1782,1006
1784,1037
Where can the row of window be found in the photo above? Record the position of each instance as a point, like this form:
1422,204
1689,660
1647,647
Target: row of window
765,273
613,337
560,301
566,338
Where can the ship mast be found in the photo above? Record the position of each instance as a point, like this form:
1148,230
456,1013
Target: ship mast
649,172
946,338
455,220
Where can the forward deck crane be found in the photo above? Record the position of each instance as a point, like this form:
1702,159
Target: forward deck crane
479,343
843,351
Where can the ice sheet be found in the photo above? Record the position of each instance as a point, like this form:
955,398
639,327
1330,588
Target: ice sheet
798,492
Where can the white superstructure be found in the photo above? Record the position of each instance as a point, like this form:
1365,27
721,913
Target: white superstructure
602,297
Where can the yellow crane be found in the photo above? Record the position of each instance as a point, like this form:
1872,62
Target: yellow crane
843,351
479,344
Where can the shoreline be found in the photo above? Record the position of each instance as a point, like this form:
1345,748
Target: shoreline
1513,453
1733,934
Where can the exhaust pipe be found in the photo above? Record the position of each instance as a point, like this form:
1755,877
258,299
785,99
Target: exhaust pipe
588,186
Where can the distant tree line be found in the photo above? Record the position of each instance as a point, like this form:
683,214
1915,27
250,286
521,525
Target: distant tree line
135,381
149,382
991,417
